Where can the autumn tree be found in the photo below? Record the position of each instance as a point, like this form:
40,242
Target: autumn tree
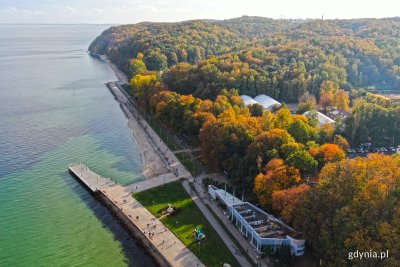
277,176
283,117
225,140
341,142
355,207
267,145
325,133
136,66
326,97
287,200
327,153
144,86
341,100
306,102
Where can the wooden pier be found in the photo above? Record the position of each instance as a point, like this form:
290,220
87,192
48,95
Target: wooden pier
162,245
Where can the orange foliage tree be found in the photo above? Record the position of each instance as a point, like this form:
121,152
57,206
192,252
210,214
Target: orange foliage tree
356,206
327,153
278,176
286,201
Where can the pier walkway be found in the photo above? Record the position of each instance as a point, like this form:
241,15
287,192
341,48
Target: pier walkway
151,229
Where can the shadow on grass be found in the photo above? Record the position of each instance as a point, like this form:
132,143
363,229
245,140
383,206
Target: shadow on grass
212,251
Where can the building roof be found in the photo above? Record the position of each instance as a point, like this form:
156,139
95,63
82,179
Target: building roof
264,224
226,197
248,100
267,102
322,118
263,100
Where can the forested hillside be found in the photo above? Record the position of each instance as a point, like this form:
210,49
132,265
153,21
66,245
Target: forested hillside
189,76
281,58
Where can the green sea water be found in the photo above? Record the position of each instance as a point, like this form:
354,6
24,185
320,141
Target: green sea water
55,110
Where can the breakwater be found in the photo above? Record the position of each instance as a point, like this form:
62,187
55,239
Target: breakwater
165,248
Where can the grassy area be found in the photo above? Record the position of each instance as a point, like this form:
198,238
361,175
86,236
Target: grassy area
212,251
233,238
188,163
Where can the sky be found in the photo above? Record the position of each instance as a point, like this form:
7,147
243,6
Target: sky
133,11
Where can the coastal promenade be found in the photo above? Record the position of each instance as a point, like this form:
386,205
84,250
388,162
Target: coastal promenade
158,159
159,241
144,133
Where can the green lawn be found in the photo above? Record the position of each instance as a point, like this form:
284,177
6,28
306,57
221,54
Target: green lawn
212,251
188,163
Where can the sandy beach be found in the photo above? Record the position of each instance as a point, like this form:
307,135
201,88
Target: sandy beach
121,76
153,163
158,160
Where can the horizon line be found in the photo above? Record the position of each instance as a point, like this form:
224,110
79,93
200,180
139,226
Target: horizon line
205,19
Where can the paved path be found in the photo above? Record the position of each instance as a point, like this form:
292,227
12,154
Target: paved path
173,250
175,167
168,245
218,228
157,148
188,150
244,243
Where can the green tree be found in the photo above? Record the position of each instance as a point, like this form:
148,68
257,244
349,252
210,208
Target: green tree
299,130
283,117
302,160
156,61
136,66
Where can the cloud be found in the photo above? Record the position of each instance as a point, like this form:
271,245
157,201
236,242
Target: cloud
149,7
11,10
70,8
97,10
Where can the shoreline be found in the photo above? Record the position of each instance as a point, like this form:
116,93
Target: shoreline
121,76
163,246
153,164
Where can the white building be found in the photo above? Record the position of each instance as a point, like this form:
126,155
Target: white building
265,101
248,100
258,227
322,118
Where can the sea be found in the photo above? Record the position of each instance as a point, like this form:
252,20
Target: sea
56,110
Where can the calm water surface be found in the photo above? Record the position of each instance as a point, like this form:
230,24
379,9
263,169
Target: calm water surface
55,110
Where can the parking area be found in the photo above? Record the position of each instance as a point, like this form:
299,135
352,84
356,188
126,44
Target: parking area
369,148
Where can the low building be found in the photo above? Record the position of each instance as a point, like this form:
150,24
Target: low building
248,100
257,226
338,114
322,118
265,101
